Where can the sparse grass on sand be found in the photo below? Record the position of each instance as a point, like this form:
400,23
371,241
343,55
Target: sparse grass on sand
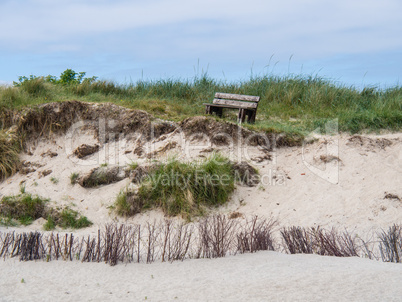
74,177
24,208
180,188
66,218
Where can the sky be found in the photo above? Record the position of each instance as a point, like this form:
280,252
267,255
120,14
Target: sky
349,42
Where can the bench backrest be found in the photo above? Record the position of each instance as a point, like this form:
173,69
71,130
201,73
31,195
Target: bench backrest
238,100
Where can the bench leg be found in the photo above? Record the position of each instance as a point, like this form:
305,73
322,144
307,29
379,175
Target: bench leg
241,116
251,116
211,110
219,111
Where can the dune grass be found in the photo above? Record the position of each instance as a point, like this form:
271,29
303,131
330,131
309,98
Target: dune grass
181,188
66,218
9,150
25,208
74,178
291,103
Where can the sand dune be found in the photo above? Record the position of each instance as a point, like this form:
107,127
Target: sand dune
340,181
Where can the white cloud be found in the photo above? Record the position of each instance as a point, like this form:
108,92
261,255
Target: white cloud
5,83
212,30
310,26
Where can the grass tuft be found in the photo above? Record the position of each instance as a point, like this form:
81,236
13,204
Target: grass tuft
50,224
132,165
74,178
23,207
9,154
181,188
54,180
66,218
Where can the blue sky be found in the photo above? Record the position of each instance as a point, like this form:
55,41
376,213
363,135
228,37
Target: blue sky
351,42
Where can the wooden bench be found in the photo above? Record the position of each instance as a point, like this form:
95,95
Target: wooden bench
247,105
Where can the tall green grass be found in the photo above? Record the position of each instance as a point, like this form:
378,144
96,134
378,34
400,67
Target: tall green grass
291,103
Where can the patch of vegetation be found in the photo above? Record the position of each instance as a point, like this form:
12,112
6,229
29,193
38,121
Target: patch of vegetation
50,224
294,103
180,188
66,218
22,188
7,221
54,180
70,218
9,154
24,208
132,165
74,177
98,177
127,204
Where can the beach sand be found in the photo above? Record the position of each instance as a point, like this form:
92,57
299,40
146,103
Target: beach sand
263,276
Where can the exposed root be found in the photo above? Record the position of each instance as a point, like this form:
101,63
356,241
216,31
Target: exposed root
369,143
102,176
85,150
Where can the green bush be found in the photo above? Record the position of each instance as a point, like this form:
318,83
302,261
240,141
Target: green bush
35,86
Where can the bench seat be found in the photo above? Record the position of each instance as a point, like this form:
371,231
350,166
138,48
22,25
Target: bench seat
247,105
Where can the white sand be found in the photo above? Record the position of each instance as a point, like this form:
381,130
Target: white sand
264,276
349,193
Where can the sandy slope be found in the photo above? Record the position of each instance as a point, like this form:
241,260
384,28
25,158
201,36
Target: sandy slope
342,181
306,186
